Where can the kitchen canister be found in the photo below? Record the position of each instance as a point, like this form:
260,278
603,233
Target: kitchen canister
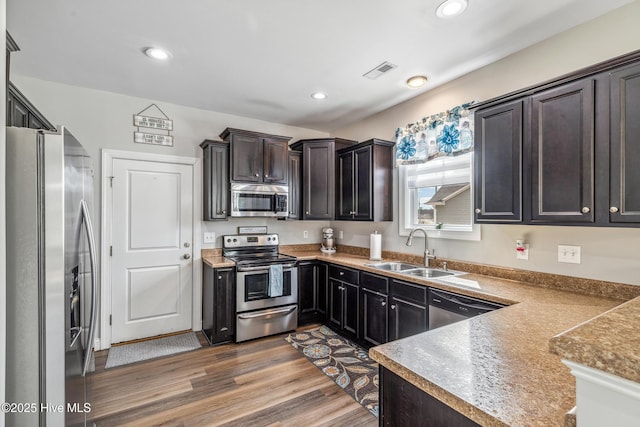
375,247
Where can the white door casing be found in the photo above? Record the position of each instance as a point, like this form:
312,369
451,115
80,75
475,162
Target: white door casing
150,265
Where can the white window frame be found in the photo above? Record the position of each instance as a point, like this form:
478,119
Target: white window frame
408,212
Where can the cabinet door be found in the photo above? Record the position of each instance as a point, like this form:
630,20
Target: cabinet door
562,146
363,203
17,113
215,181
322,277
276,161
345,186
624,193
335,303
351,305
374,317
224,315
295,181
208,284
307,289
406,319
318,180
498,160
246,158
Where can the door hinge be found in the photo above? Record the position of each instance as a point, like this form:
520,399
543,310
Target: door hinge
110,250
110,319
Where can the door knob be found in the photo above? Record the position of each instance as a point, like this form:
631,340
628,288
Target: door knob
187,244
186,256
613,209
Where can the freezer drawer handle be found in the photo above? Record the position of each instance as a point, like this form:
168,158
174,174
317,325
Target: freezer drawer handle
267,315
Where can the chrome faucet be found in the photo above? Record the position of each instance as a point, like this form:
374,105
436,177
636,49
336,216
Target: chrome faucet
428,254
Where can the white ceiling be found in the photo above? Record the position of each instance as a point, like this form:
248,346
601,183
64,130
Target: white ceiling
263,59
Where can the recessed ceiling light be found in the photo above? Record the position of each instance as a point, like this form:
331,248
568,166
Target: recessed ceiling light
319,95
157,53
416,81
451,8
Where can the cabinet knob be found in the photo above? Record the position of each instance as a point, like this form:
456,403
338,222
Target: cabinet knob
219,277
257,175
266,176
478,210
186,256
613,209
383,303
342,273
586,210
307,212
393,306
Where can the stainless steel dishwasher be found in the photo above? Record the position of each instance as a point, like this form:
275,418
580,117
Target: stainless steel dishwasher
446,308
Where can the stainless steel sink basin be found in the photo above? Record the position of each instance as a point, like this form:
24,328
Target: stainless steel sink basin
393,266
429,272
413,270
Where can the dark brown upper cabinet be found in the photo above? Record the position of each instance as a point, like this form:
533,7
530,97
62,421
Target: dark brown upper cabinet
624,193
498,163
318,175
365,182
580,146
562,154
257,157
215,174
295,183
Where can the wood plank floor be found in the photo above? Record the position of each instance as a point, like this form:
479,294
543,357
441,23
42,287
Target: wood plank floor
264,382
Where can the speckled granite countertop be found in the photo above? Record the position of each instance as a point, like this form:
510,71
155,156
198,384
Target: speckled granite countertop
496,368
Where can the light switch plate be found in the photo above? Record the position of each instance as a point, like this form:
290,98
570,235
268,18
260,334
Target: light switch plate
305,234
209,237
569,254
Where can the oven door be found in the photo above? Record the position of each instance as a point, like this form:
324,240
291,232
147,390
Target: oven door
253,288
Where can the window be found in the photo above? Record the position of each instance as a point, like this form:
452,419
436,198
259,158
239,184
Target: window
437,196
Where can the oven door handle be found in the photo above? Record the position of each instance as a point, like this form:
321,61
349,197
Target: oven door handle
268,314
262,267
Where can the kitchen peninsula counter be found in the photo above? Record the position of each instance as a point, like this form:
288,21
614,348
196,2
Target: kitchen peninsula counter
496,369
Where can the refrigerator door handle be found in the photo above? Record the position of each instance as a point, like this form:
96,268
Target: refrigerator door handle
88,226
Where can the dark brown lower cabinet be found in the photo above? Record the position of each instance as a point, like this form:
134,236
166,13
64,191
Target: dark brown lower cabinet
312,292
218,304
375,322
403,404
344,307
408,310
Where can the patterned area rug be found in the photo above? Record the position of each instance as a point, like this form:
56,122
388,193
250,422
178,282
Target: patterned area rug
145,350
344,362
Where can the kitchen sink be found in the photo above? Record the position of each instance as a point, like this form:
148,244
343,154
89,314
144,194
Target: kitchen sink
413,270
393,266
429,272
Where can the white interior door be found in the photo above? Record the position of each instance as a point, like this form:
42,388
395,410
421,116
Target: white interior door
152,231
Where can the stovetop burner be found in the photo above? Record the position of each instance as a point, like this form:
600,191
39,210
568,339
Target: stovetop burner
254,249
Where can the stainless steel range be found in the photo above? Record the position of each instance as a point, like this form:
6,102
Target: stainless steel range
267,285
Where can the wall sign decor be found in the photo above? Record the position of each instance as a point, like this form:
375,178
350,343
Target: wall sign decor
157,124
443,134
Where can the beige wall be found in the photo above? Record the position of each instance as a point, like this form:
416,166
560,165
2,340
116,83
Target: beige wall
607,253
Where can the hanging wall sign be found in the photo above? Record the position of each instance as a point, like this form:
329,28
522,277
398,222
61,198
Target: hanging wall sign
154,123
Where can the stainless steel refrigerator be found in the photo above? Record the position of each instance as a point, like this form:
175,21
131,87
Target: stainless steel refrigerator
51,279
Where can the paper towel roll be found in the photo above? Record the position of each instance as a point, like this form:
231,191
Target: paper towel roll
375,247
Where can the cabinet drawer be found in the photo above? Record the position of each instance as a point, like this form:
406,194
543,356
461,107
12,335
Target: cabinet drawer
374,282
410,292
344,274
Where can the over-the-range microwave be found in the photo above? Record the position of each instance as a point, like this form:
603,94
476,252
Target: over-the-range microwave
259,200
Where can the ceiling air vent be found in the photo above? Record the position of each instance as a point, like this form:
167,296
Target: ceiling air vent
381,69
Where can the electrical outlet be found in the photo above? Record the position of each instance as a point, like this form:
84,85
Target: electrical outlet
305,234
523,254
341,234
570,254
209,237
